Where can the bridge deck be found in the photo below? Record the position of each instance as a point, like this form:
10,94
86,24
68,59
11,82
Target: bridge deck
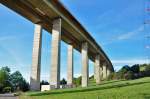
44,11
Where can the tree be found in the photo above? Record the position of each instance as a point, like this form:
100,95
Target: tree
16,79
129,75
11,82
147,68
125,69
77,81
24,86
19,83
44,82
120,74
4,78
63,82
135,68
6,69
4,74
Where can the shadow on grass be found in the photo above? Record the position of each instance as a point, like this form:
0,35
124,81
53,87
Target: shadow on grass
87,89
146,96
112,82
105,83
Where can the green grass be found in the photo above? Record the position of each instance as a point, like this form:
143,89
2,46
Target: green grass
116,89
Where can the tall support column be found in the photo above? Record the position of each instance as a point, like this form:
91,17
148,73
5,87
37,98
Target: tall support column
70,66
85,66
101,72
104,71
36,58
55,54
108,72
94,71
97,69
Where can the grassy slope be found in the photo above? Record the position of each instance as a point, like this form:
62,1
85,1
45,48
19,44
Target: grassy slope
134,89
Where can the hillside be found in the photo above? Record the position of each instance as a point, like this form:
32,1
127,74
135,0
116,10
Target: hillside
116,89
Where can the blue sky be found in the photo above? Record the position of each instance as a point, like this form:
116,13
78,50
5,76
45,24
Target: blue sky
117,26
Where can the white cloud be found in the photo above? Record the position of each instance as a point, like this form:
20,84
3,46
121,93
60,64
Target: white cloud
125,36
119,63
129,35
130,61
10,38
4,38
77,75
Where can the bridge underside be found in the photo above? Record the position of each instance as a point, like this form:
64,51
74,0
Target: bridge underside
45,11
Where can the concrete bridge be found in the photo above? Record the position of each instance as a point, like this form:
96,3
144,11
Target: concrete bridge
52,16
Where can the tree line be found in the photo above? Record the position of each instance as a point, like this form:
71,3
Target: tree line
131,72
11,82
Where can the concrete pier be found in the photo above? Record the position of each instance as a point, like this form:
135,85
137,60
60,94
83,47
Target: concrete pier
104,70
97,69
55,54
101,72
94,71
36,58
108,72
85,66
70,66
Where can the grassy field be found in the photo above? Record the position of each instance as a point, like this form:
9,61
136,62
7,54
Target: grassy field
117,89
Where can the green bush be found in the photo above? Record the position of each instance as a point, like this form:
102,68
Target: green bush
7,89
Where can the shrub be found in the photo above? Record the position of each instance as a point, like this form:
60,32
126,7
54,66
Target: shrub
7,89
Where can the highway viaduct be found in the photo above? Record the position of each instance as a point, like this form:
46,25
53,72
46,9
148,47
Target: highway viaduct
52,16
